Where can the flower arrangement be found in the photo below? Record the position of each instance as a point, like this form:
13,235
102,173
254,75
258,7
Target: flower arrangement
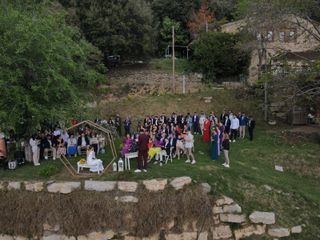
83,161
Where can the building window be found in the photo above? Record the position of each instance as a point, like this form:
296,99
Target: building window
270,36
292,35
259,36
282,36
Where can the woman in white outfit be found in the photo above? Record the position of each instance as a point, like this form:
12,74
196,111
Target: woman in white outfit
35,150
91,160
189,141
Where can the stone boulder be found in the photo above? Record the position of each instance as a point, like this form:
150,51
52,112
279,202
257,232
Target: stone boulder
153,237
296,229
217,210
23,238
101,235
63,187
34,186
182,236
155,185
50,228
14,185
279,232
57,237
221,232
232,218
180,182
2,185
234,208
99,186
203,236
127,199
249,230
262,217
224,201
6,237
216,219
206,187
127,186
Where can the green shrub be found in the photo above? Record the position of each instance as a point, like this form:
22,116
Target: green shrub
48,171
218,55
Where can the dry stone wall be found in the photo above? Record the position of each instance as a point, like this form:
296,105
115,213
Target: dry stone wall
227,219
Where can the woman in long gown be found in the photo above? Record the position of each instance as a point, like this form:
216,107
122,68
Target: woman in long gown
97,165
206,131
215,144
221,136
127,142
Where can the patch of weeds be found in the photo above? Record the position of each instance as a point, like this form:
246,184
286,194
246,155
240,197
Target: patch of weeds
48,171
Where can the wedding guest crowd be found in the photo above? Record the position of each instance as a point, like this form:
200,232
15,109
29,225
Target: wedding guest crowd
173,136
157,137
59,142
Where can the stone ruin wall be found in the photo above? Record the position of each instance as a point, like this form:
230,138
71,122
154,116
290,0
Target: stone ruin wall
228,221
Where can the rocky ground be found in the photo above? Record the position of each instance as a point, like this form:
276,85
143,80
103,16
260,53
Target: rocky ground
142,81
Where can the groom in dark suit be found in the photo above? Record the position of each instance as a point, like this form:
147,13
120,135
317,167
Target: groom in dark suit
143,141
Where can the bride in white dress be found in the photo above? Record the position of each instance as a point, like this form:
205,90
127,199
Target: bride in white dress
91,160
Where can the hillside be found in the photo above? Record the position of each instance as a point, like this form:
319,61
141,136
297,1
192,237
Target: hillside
252,181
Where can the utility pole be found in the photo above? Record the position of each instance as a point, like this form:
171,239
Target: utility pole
173,63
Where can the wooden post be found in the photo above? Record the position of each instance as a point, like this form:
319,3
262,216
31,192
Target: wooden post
187,52
173,63
265,101
184,84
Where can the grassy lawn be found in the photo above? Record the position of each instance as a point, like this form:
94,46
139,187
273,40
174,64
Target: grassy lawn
294,194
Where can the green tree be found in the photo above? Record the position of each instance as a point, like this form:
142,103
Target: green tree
118,27
217,55
309,9
223,9
43,65
181,38
177,10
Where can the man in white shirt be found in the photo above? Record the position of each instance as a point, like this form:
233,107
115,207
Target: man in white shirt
57,132
189,141
234,128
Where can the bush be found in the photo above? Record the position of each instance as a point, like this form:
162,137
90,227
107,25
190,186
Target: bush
48,171
218,55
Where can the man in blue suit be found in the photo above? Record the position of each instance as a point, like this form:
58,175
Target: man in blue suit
243,121
195,123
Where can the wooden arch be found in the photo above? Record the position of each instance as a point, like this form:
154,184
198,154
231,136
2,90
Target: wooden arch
109,139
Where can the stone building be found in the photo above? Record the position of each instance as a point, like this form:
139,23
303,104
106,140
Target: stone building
292,37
